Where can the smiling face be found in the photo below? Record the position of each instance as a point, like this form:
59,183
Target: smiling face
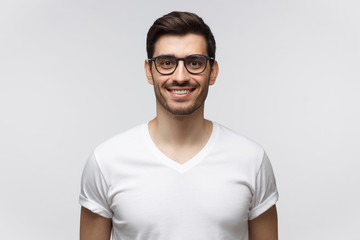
181,93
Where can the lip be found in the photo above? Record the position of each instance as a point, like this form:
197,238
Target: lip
180,92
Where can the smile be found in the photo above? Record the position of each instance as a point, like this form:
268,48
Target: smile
180,91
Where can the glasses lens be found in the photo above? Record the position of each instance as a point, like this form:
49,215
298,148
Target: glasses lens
165,64
195,63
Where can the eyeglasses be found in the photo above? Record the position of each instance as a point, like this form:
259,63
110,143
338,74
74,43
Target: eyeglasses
194,64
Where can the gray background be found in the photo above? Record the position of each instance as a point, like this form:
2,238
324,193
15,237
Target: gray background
71,76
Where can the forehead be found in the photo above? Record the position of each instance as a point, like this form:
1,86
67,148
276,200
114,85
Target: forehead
180,45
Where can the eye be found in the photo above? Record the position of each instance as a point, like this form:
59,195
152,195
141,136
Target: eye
195,62
165,62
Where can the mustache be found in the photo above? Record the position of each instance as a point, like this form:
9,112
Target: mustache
181,84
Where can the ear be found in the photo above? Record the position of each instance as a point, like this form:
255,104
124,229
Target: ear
214,72
148,73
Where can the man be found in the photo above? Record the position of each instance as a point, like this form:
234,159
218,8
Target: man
180,176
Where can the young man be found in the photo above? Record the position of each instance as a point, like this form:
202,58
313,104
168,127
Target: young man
180,176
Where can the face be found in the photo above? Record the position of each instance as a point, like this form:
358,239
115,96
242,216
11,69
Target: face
181,93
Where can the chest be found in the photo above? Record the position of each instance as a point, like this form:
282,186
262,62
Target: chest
158,197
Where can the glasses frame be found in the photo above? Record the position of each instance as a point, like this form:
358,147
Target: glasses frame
182,59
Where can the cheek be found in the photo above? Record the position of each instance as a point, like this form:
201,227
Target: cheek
160,80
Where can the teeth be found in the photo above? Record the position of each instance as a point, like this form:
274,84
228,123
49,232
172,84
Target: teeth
180,91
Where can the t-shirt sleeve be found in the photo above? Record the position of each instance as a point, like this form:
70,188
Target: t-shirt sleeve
94,189
265,191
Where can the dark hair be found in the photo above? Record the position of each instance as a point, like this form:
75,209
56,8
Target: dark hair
179,23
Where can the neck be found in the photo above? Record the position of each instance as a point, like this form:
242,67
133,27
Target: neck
171,129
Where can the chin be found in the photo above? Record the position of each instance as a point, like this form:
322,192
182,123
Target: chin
185,111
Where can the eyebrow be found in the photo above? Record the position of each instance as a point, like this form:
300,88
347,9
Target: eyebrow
171,55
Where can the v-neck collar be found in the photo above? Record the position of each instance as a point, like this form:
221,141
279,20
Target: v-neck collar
189,164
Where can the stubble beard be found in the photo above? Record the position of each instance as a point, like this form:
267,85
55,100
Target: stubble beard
180,110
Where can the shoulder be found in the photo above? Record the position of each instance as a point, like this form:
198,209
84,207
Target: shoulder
129,141
230,137
239,146
127,136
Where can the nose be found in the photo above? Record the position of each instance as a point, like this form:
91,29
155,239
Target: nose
181,74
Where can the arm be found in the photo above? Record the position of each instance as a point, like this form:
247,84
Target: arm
94,226
264,227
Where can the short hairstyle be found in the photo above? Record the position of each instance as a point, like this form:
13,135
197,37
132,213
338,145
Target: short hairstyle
179,23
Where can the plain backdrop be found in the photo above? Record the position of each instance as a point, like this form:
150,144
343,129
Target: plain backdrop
71,76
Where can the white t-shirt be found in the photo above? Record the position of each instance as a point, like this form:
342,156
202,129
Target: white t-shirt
149,196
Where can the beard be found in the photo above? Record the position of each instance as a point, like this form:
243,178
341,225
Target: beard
180,107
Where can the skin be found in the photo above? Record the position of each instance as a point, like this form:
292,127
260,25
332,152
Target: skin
198,84
179,129
94,226
264,227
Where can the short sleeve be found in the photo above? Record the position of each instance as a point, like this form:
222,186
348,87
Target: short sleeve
94,189
265,191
